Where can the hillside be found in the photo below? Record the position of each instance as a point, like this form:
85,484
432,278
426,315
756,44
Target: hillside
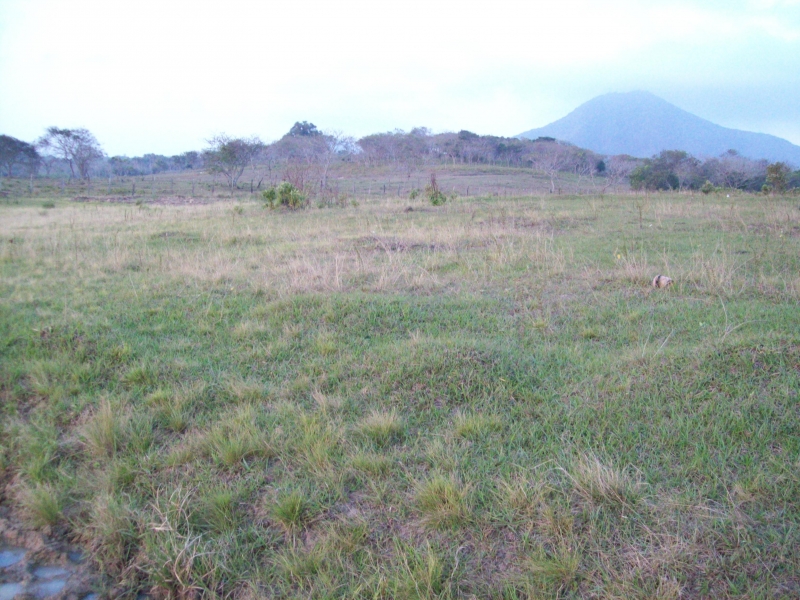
642,124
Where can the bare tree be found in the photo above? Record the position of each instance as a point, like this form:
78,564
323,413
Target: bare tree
78,147
551,158
336,144
733,170
618,168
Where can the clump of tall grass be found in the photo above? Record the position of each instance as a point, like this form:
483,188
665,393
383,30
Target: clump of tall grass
598,483
475,426
291,511
236,438
177,560
382,428
442,501
42,504
111,530
104,433
556,571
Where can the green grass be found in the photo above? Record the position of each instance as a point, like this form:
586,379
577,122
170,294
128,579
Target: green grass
482,399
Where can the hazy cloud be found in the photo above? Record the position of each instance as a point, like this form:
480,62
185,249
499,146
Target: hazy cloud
163,76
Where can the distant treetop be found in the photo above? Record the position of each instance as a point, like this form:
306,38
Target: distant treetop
304,129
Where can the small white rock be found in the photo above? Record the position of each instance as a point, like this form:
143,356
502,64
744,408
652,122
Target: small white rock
661,281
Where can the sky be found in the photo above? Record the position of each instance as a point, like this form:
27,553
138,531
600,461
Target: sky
165,76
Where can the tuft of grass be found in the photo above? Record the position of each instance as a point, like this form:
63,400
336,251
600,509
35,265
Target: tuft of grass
42,504
327,404
141,375
36,448
291,511
299,565
371,463
236,438
171,409
602,484
382,428
111,530
176,560
218,511
556,571
245,390
519,498
103,433
318,446
475,426
440,456
422,573
442,501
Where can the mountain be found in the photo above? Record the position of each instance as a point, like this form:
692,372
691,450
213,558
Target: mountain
642,124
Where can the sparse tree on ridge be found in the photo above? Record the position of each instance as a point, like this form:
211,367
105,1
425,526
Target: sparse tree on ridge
78,147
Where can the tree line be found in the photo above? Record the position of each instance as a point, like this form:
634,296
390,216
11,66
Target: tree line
679,170
305,154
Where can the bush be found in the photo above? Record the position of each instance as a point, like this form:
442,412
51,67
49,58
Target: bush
435,195
284,195
707,187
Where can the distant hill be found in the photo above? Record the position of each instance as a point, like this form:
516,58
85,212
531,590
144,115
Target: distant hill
642,124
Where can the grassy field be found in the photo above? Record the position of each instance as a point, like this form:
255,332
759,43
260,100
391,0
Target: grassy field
394,400
351,180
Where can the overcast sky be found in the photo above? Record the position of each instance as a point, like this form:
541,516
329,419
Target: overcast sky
163,76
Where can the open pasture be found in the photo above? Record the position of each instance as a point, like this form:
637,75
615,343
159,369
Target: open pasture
393,400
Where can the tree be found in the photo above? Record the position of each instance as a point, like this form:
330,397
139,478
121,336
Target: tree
16,152
668,170
78,147
304,129
230,156
732,170
778,176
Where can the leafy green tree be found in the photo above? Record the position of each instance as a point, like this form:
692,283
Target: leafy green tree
304,129
230,156
16,152
668,170
778,176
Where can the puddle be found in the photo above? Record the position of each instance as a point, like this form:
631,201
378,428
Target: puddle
48,588
10,556
9,590
37,568
50,572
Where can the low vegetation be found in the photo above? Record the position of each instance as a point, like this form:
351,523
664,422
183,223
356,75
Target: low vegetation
392,399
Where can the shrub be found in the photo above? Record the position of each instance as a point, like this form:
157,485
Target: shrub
435,195
284,195
707,187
